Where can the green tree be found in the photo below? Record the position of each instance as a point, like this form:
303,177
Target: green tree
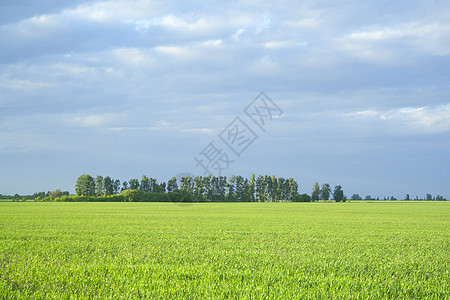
187,184
273,184
280,188
293,189
338,194
247,197
215,188
260,188
85,186
221,187
153,185
325,192
108,185
356,197
315,192
99,188
172,185
207,185
162,187
198,187
134,184
302,198
125,186
240,188
407,198
116,186
251,187
55,194
145,184
231,188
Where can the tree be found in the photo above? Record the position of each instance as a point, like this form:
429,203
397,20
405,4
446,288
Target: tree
125,185
85,186
440,198
338,194
222,187
55,194
172,185
251,187
198,187
273,183
214,188
153,184
407,198
116,186
247,196
280,188
108,185
145,184
162,187
325,192
302,198
356,197
134,184
240,188
187,184
260,189
429,197
208,187
293,189
99,185
316,192
231,188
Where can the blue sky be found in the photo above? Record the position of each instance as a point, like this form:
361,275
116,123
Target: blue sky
126,88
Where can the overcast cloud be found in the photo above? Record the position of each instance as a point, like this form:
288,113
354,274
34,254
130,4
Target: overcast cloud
125,88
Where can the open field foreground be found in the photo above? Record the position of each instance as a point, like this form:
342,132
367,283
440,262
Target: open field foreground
224,250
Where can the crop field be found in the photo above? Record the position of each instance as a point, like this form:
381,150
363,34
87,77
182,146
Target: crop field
224,250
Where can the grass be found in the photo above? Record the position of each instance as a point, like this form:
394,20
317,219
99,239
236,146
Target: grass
224,250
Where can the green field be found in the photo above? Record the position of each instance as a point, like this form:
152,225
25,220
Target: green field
225,250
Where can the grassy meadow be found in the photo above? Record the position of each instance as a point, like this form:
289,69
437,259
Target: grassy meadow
225,250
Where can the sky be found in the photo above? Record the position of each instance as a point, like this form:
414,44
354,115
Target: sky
356,93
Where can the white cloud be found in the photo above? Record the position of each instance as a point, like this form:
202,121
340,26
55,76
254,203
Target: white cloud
206,131
407,120
19,84
278,44
239,32
392,44
109,11
306,23
136,57
193,51
93,120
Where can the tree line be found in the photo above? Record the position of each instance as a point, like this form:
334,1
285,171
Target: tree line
428,197
235,188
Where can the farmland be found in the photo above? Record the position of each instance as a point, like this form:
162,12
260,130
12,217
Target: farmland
225,250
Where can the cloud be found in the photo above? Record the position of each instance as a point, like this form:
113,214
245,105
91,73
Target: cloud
398,43
111,11
408,120
18,84
93,120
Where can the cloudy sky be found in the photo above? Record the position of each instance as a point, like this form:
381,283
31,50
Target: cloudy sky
126,88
